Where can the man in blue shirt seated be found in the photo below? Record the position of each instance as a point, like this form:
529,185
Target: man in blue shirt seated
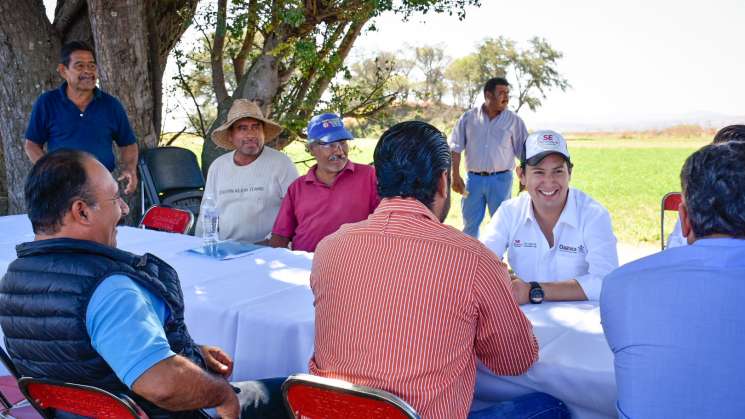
75,308
80,116
674,320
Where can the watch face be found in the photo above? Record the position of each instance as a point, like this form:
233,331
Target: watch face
536,295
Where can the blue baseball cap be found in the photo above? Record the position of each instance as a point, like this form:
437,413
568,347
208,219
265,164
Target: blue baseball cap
327,128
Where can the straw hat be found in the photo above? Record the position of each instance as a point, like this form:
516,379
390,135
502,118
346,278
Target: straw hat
243,108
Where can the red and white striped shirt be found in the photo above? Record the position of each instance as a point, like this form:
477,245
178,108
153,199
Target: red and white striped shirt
406,304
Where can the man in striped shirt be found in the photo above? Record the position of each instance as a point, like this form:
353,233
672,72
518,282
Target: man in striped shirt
407,304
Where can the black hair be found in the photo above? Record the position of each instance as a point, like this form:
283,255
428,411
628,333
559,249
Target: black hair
730,133
713,183
492,83
71,47
409,160
54,183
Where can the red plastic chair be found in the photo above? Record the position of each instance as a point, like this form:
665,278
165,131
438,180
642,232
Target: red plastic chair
48,396
670,202
312,397
172,220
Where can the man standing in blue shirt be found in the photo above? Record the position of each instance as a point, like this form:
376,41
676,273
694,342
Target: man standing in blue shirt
675,320
80,116
75,308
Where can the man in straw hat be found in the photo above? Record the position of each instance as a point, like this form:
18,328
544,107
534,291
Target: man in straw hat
248,184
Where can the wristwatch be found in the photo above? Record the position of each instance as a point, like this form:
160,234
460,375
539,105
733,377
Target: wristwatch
536,293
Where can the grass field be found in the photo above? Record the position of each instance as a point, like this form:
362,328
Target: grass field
627,173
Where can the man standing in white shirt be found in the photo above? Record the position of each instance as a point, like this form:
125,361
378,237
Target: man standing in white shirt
248,184
560,241
492,137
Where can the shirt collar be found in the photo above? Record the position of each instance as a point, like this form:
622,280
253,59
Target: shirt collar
568,214
311,177
719,242
406,205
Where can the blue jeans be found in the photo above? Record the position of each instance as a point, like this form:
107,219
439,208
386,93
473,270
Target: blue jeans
483,191
529,406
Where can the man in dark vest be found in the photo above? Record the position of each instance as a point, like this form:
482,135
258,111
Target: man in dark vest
75,308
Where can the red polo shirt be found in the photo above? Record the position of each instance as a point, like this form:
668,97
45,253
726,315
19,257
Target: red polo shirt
311,210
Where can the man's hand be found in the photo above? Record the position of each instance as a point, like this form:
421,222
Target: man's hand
230,408
520,290
217,360
458,185
130,176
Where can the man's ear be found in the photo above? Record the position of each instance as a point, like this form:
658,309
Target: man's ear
685,223
80,212
520,174
442,184
61,69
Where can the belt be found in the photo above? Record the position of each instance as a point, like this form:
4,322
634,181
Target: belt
488,173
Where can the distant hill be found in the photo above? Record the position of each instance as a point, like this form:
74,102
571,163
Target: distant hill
444,116
706,120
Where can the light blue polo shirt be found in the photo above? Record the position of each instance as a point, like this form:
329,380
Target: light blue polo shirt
125,323
675,322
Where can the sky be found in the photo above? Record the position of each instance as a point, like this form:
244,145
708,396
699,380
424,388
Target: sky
627,61
631,60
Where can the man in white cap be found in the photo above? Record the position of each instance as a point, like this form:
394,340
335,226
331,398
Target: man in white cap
248,184
335,191
560,242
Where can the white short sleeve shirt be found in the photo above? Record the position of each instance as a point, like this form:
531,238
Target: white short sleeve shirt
584,244
248,197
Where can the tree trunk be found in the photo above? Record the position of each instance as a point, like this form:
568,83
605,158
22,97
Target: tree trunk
28,50
132,39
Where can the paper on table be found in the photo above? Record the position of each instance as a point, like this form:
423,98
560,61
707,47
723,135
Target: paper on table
228,249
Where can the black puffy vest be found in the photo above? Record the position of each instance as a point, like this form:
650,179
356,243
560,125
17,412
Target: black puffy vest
43,301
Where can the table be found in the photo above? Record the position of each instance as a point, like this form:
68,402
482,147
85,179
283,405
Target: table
259,308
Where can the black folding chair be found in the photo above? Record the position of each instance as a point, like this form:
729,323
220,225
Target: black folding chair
171,176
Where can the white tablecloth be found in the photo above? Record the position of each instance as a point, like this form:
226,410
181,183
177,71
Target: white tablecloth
259,309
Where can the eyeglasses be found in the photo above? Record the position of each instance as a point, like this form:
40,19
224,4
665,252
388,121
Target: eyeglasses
119,199
329,146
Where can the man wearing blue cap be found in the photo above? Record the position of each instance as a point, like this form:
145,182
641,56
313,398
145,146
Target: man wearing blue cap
335,191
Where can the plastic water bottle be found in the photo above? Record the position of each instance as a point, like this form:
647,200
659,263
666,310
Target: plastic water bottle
210,220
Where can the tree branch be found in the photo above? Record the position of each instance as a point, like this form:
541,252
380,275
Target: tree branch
239,61
216,52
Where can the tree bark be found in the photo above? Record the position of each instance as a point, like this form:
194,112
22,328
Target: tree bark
132,39
29,48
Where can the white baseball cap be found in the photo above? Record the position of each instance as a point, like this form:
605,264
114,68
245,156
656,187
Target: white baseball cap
542,143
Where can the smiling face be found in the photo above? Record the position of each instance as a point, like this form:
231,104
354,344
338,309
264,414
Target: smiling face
109,207
331,158
547,183
81,72
247,135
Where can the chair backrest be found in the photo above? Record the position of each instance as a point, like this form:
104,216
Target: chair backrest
48,396
312,397
670,202
172,220
169,171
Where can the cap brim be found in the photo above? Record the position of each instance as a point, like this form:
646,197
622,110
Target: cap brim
340,134
536,159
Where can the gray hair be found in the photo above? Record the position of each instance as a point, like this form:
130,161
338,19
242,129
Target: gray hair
713,182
